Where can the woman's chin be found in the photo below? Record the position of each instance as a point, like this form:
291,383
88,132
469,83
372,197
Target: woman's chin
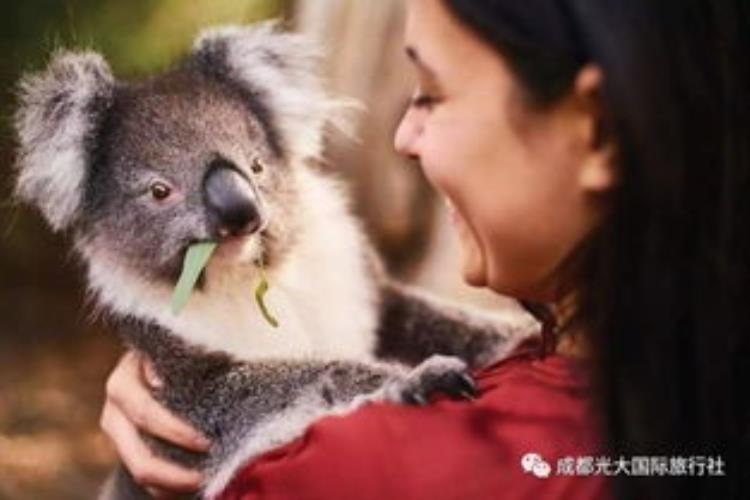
474,280
473,264
473,271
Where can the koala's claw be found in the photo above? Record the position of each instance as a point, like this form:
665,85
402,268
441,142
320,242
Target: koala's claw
455,385
438,374
469,388
414,399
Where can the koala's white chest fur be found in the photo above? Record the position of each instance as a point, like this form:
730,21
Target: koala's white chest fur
322,293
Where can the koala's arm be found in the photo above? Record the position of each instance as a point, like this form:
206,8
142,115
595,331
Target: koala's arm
414,326
226,398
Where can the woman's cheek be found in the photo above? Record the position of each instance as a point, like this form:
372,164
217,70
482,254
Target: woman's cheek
442,162
432,162
449,171
493,234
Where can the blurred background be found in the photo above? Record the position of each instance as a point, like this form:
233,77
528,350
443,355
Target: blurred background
53,359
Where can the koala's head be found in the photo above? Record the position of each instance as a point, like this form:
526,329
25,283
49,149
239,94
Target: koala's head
207,151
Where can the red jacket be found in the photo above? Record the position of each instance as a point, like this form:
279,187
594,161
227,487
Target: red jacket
449,449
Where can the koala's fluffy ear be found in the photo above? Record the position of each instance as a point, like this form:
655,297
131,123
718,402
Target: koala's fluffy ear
59,111
283,70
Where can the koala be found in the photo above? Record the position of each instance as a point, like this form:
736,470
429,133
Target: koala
225,146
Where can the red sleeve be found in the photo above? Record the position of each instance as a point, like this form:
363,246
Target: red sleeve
448,450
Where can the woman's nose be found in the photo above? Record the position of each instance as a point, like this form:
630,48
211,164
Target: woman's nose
407,133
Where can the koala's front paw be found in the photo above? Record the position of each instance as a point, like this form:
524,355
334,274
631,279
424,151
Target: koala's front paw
437,374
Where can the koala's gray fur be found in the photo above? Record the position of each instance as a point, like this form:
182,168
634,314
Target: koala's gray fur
91,149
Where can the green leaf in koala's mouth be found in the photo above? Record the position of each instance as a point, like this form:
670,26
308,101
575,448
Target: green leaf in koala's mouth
195,261
260,292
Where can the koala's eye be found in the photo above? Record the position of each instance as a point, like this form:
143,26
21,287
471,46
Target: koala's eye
160,191
257,166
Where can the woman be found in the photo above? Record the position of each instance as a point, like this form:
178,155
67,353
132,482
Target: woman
596,156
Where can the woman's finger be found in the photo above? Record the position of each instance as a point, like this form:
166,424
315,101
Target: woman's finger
147,469
126,389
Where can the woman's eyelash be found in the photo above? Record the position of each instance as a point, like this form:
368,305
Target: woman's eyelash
423,101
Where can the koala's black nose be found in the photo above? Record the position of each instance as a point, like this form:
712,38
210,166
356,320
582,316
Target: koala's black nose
230,200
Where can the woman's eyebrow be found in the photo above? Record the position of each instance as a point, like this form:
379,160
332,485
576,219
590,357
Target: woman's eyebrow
413,56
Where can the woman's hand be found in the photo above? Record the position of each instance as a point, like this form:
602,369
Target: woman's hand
129,408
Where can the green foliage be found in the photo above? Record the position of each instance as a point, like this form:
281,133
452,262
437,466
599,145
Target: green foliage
195,261
135,35
260,294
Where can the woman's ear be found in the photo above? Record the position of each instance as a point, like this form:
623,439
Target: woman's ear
597,171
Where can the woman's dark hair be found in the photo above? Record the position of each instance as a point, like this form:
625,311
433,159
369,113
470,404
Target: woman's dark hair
664,282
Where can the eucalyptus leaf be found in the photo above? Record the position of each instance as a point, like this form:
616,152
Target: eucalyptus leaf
196,258
260,292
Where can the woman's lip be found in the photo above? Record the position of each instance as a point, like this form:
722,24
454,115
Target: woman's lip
455,218
452,212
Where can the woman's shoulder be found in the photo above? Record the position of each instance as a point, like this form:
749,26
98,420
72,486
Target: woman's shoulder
449,449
